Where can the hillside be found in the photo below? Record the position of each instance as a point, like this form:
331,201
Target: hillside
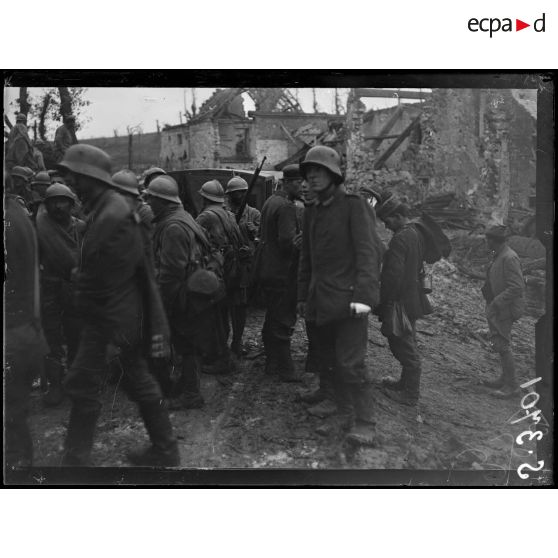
145,150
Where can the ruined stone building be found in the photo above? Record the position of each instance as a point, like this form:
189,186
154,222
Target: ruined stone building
478,144
223,135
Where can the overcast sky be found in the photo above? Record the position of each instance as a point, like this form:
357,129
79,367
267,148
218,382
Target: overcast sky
115,108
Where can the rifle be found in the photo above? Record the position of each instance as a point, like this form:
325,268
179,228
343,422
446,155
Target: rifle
249,191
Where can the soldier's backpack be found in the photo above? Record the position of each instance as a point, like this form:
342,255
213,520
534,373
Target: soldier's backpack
233,253
436,244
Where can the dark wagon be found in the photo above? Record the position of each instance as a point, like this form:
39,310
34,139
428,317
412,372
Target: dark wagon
191,180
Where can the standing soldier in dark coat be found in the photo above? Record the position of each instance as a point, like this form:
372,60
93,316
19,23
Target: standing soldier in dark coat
21,186
223,235
127,184
20,150
59,237
65,136
39,184
277,271
179,246
249,226
24,343
504,293
111,299
148,176
401,284
338,286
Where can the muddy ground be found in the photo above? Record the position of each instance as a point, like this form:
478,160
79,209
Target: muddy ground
251,420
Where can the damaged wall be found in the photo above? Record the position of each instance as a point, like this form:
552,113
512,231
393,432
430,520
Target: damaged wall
476,143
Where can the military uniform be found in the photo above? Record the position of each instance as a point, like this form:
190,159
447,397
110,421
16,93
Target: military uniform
24,344
504,293
63,139
111,302
59,255
277,268
178,249
339,264
400,282
224,234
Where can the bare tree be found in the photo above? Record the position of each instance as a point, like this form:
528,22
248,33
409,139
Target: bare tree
23,101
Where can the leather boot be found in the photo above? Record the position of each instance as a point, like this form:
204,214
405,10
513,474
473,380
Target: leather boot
79,438
396,384
345,405
409,395
285,364
363,432
187,390
54,372
510,388
164,449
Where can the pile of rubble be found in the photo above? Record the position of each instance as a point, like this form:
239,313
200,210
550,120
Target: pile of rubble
449,212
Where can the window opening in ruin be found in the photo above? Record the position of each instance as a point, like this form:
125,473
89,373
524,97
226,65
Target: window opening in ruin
179,138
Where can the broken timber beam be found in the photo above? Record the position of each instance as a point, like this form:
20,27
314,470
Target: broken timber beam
391,93
387,127
379,162
392,136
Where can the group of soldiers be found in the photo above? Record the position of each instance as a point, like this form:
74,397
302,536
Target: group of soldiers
111,276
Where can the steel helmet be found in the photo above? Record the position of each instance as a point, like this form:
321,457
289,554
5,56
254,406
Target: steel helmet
212,191
150,174
42,178
164,187
87,160
235,184
322,156
21,117
126,181
57,190
22,172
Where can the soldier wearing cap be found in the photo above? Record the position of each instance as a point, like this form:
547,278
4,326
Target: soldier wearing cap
179,245
20,150
65,136
338,286
276,274
59,235
400,284
504,293
110,296
224,235
249,226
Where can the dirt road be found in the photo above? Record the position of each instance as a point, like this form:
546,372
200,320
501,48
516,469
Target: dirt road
252,420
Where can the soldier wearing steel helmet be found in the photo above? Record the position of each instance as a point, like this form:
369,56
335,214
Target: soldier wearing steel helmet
179,245
276,274
128,185
249,222
249,226
148,176
224,235
338,286
59,235
111,300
